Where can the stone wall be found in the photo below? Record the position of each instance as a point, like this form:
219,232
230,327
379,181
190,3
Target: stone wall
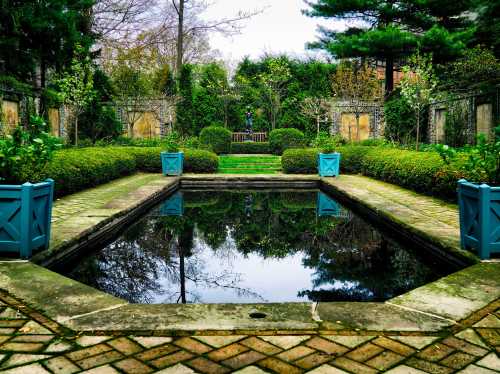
481,114
343,120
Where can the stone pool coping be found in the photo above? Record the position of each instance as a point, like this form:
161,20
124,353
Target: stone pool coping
433,308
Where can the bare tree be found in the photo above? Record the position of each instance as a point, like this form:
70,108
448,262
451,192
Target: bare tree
188,10
115,19
315,108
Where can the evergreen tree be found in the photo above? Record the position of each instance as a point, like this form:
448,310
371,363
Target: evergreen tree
389,30
38,35
185,105
488,25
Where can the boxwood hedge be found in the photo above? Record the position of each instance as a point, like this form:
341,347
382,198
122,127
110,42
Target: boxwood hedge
282,139
76,169
216,138
250,148
424,172
300,161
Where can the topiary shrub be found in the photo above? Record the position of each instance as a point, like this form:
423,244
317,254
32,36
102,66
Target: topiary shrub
250,148
200,161
300,161
216,138
282,139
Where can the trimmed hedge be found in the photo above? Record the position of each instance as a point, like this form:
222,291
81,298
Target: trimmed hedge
423,172
282,139
79,168
300,161
216,138
250,148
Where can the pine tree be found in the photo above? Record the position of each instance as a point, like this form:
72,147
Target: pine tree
389,30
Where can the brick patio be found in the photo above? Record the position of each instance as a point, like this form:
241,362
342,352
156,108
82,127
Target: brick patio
32,343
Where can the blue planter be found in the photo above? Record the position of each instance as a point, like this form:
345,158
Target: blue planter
327,207
329,164
173,206
479,217
25,214
172,163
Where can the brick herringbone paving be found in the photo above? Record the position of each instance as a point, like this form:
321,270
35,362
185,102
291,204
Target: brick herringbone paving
31,343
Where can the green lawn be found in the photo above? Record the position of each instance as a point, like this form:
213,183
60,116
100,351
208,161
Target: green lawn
251,164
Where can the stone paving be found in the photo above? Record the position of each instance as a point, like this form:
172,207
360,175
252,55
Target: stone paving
32,343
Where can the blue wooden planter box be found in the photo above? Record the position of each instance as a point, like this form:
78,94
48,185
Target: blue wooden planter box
329,164
25,215
172,163
173,206
479,217
327,207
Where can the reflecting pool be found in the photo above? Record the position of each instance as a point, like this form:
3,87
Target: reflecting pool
253,246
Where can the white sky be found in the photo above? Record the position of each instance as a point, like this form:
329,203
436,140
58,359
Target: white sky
280,29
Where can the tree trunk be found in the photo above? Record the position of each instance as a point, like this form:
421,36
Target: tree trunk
418,129
76,129
182,271
357,127
180,38
389,75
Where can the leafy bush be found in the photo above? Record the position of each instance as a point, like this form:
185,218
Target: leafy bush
25,154
80,168
76,169
283,139
216,138
400,120
300,161
250,148
200,161
424,172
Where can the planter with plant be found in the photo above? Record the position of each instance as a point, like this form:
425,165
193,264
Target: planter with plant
479,197
25,198
172,160
479,202
328,158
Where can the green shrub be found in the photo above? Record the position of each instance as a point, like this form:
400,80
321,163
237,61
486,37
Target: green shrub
216,138
250,148
300,161
26,153
80,168
76,169
282,139
400,120
200,161
424,172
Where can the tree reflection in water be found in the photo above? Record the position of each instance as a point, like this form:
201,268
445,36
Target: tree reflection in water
186,259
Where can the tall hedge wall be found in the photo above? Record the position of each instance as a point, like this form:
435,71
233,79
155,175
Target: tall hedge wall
423,172
79,168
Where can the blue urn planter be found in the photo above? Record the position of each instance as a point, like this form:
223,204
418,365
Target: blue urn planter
479,217
329,164
172,163
25,215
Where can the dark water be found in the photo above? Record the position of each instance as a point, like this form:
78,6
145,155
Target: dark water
253,246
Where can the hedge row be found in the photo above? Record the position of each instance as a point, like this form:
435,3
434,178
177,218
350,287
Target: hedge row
423,172
79,168
250,148
285,138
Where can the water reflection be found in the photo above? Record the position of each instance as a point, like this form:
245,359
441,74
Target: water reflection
253,246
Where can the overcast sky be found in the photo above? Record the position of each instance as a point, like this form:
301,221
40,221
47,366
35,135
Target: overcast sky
281,28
